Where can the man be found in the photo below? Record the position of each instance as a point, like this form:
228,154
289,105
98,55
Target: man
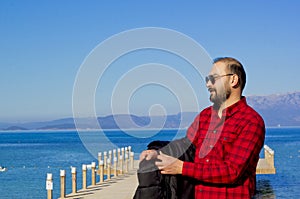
227,136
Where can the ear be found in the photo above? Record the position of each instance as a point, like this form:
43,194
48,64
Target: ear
235,81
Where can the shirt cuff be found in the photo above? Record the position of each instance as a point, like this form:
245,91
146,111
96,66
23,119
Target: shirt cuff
188,169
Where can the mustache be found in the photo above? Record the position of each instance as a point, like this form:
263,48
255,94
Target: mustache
211,89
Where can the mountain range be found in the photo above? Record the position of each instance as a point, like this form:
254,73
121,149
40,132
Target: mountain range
276,109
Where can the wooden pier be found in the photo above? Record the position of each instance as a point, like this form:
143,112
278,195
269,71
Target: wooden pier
119,187
266,165
118,166
123,183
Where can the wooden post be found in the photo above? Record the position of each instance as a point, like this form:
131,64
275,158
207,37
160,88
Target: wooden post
62,183
110,156
115,167
126,163
119,153
105,158
121,164
74,185
49,186
101,171
115,154
108,169
93,174
132,160
129,149
122,152
99,158
84,176
129,157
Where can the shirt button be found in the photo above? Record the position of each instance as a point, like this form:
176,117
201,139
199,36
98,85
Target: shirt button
215,131
200,190
211,146
207,160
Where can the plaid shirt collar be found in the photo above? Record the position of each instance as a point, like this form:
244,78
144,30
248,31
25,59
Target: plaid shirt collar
229,111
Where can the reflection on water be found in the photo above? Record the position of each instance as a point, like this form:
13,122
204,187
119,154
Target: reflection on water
264,190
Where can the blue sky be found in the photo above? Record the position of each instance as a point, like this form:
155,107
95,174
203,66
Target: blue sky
44,43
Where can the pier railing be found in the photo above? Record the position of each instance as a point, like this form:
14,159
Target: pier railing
115,162
266,165
121,161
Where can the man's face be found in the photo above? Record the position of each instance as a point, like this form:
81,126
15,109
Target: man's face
219,89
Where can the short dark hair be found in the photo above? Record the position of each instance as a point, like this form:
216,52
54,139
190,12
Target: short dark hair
235,67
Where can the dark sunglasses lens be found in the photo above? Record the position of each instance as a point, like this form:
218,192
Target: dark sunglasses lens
210,78
206,79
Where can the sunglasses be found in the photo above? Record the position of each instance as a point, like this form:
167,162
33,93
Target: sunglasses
213,78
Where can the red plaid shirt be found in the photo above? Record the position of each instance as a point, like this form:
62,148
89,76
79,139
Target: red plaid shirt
227,151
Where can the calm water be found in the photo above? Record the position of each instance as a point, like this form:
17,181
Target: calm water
29,156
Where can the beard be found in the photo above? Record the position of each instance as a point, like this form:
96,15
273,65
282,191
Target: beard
218,98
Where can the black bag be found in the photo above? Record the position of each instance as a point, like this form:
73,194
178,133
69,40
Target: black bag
154,185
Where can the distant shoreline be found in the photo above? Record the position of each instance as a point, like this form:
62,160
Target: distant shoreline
111,130
89,130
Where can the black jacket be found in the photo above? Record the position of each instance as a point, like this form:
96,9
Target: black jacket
154,185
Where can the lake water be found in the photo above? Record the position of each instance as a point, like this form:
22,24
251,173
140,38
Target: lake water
30,155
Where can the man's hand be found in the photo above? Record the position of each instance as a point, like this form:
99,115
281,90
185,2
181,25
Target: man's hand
148,154
169,164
